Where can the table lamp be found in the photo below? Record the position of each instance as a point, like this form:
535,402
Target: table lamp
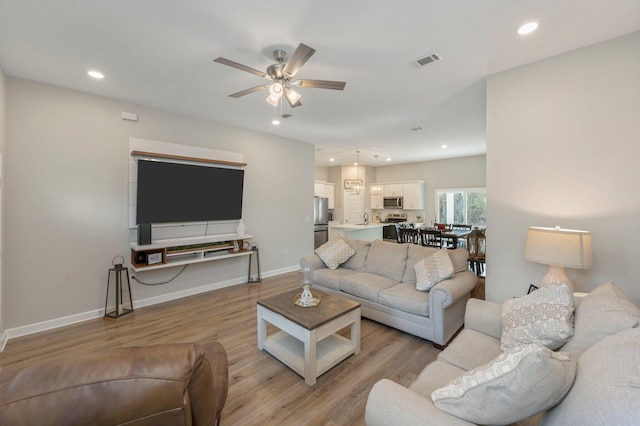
559,248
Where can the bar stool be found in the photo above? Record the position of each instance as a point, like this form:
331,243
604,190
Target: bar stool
117,271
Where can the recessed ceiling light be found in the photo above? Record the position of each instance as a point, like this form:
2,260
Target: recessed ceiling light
528,28
444,146
275,122
388,159
332,159
96,74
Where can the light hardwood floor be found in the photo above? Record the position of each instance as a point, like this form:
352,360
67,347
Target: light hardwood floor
262,391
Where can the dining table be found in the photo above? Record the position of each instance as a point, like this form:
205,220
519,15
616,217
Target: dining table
453,234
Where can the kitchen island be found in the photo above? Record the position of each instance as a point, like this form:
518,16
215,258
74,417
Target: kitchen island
369,232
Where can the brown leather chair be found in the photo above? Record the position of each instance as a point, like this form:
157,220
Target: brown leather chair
173,384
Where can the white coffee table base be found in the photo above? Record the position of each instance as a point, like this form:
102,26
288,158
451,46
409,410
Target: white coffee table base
309,353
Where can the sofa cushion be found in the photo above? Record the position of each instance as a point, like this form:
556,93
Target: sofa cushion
404,297
365,285
603,312
459,258
607,386
387,259
435,375
334,252
415,253
330,278
433,269
517,384
485,348
544,316
356,262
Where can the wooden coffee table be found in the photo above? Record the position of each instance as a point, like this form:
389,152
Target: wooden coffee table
306,340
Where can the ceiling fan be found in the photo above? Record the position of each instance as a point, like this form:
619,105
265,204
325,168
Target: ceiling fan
281,75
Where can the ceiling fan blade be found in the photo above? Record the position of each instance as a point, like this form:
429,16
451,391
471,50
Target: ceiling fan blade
232,64
321,84
298,59
248,91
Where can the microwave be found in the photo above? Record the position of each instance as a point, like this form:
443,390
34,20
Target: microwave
392,202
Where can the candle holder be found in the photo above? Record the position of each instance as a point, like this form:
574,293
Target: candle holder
306,299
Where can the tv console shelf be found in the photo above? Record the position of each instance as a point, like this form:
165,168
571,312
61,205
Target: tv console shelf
184,251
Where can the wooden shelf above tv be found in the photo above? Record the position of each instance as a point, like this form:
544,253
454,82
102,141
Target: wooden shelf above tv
185,158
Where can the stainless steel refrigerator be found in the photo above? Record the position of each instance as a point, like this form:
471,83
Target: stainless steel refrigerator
320,221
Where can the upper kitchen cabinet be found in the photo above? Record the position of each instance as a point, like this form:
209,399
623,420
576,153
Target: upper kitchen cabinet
413,195
318,189
330,193
393,189
377,202
327,190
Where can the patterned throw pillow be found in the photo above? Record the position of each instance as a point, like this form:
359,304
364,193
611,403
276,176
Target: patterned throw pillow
433,269
544,316
334,252
519,383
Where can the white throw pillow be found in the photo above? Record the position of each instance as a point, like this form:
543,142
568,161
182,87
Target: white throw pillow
517,384
433,269
334,252
544,316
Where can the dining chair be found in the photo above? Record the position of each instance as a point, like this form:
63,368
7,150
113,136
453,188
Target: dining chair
477,246
462,242
460,226
408,235
431,238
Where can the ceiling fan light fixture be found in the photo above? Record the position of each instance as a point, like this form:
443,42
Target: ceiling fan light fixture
293,96
273,100
275,90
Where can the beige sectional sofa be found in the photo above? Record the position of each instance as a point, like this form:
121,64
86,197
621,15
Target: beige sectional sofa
381,276
597,383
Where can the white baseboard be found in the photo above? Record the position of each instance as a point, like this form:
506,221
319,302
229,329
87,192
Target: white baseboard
3,340
98,313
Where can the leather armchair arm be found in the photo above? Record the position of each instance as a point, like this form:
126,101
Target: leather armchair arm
162,384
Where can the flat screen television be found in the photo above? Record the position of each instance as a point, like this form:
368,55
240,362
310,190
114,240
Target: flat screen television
173,192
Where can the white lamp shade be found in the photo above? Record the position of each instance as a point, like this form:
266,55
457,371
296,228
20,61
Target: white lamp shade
568,248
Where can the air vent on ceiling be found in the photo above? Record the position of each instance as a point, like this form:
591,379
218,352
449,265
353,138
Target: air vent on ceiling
286,115
428,59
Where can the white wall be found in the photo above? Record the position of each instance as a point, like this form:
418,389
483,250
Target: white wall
563,148
66,200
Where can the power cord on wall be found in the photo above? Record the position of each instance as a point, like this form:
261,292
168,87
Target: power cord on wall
164,282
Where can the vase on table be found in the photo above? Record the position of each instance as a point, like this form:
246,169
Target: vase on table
306,299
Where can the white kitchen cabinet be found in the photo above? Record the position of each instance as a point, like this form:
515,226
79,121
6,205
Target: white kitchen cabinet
330,193
377,202
318,189
413,196
392,189
326,190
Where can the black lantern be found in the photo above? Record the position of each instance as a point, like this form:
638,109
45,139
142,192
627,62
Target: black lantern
118,271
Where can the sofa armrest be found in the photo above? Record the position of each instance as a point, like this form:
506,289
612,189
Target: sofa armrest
451,290
484,316
312,261
392,404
